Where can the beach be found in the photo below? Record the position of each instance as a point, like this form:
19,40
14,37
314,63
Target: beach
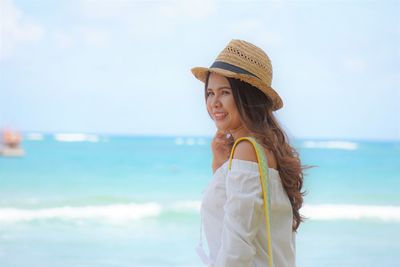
97,200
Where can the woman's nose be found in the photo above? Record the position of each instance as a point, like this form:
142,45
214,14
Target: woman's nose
216,102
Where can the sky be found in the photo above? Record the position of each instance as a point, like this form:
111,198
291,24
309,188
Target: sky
123,67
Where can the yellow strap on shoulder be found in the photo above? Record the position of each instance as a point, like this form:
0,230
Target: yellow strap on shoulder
263,169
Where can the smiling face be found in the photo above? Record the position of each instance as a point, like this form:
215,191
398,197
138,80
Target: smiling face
221,104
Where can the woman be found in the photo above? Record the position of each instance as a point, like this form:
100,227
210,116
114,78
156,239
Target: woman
240,100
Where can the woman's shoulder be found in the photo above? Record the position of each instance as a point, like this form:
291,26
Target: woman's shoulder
244,150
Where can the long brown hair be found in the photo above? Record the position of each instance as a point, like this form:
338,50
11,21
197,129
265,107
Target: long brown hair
255,110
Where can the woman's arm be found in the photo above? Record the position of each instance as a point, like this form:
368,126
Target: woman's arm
221,147
242,210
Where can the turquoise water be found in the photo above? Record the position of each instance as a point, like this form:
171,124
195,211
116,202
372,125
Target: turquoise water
134,201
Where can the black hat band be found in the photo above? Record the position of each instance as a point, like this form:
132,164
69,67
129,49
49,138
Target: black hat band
230,67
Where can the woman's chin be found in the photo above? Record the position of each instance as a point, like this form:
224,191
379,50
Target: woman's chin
221,127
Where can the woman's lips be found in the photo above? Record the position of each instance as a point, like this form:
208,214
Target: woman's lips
220,116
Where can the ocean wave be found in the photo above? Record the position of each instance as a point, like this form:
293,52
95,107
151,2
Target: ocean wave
111,213
76,137
34,136
120,213
190,141
185,206
351,212
331,145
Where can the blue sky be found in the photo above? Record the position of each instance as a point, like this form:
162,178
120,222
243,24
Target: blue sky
123,67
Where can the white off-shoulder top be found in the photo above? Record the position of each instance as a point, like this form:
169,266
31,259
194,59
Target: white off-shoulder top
233,219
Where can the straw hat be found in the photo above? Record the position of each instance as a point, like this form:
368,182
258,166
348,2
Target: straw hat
247,62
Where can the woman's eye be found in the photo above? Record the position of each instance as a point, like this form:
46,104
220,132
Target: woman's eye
223,92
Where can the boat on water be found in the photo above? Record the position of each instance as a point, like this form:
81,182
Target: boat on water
11,145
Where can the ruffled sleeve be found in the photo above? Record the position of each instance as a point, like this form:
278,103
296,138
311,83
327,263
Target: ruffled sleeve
221,170
242,215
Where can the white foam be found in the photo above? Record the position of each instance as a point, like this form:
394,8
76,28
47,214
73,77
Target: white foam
35,136
121,213
201,141
112,213
351,212
179,141
331,145
189,141
185,206
76,137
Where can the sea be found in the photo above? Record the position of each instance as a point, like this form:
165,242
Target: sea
91,200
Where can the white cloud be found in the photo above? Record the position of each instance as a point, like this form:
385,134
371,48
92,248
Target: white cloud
126,9
354,65
256,30
86,36
63,40
194,9
143,18
16,28
93,37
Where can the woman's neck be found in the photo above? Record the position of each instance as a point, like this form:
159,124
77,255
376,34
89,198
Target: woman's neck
239,132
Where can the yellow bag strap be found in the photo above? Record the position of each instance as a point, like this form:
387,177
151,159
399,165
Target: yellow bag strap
263,169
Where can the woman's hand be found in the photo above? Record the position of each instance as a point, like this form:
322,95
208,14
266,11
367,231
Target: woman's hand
221,146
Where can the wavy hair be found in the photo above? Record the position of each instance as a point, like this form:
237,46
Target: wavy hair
255,110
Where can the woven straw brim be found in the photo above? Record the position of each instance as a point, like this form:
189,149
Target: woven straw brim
201,74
